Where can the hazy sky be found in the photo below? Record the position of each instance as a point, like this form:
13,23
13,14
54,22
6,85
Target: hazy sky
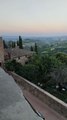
33,16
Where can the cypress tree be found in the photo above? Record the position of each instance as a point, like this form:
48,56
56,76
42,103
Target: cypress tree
36,48
31,48
20,43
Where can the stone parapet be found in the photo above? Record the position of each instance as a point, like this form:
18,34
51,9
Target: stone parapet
53,102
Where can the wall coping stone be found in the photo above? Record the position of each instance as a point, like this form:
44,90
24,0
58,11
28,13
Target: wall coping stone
59,104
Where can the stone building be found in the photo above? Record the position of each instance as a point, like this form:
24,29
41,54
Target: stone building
1,51
20,55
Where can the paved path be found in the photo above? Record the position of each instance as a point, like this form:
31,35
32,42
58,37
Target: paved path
47,112
13,105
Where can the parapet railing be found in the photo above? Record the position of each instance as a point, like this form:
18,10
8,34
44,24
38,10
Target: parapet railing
53,102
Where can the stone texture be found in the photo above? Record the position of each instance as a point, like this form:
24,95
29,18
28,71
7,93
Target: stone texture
53,102
13,105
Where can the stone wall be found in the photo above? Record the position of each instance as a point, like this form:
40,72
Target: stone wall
53,102
1,50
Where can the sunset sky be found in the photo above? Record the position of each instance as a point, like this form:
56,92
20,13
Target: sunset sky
33,17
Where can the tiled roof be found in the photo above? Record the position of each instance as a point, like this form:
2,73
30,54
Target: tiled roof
16,52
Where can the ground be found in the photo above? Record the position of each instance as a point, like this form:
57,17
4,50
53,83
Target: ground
47,112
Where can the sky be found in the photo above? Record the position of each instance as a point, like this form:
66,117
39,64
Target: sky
33,17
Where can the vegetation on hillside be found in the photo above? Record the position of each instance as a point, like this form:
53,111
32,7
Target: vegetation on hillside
47,68
47,71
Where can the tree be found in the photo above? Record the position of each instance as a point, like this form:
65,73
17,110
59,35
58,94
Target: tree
31,48
13,44
17,43
10,44
5,45
62,57
60,75
36,48
20,43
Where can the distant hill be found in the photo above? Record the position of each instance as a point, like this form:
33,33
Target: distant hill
12,38
36,38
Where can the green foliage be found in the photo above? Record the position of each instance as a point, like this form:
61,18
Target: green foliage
30,72
20,43
13,44
4,43
59,94
62,57
17,43
39,69
10,65
10,44
45,71
36,48
60,75
31,48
